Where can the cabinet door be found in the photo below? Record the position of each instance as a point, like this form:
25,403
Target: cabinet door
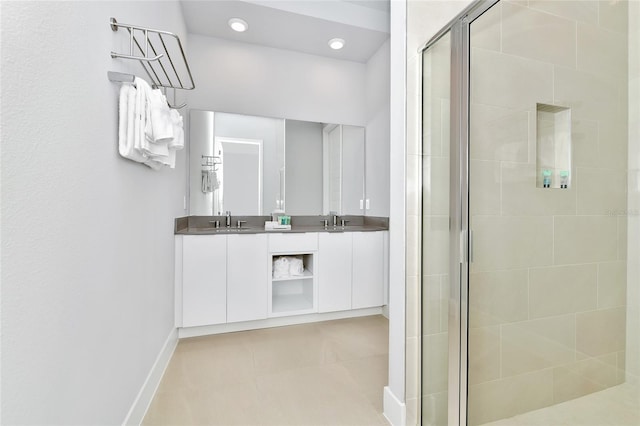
204,280
334,275
247,270
368,270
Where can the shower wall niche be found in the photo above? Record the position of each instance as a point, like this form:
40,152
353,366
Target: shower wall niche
553,146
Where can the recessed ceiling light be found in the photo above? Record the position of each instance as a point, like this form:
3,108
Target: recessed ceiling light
336,43
239,25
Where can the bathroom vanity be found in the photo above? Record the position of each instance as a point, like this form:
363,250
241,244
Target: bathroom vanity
225,280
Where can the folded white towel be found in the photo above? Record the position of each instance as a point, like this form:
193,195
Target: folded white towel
147,126
178,131
126,124
206,182
153,164
210,181
140,114
158,152
172,158
161,124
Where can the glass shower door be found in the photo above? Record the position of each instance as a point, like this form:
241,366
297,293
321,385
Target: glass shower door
547,202
435,222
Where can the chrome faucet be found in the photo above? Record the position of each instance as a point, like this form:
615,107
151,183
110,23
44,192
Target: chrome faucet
334,218
228,220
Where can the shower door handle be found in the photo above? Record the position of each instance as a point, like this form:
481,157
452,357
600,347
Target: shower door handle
466,246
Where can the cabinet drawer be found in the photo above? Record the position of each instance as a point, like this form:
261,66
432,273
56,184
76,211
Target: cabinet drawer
288,243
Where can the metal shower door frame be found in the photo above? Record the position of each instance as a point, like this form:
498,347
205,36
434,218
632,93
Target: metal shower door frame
459,232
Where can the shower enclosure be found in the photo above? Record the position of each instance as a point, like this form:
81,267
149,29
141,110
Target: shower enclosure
530,247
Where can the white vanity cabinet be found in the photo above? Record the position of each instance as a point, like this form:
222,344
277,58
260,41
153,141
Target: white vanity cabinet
204,280
352,272
227,281
335,271
247,269
368,270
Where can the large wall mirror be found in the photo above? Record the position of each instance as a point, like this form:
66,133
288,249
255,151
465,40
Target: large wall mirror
252,165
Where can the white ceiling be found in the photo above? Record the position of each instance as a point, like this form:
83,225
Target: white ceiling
300,25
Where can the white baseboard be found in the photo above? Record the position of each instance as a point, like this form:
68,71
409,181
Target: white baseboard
145,396
385,311
274,322
395,411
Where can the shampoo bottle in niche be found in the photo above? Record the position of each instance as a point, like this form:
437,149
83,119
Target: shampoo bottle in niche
564,179
546,178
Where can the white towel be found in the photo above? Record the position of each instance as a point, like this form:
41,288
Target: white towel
296,266
178,137
140,114
161,124
215,182
280,267
126,124
172,158
147,126
153,164
206,182
158,152
178,131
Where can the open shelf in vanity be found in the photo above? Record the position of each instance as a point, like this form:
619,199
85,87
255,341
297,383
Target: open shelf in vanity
293,291
293,294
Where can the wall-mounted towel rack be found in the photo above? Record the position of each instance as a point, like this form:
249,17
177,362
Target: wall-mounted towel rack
210,161
119,77
164,70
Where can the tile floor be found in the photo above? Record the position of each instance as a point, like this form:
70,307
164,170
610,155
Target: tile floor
327,373
616,406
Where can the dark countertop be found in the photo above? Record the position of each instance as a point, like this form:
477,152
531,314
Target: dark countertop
200,225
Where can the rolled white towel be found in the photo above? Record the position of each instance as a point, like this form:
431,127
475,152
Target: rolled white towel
280,267
296,266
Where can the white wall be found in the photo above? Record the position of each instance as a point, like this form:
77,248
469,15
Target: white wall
201,139
248,79
378,131
394,397
353,140
87,237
